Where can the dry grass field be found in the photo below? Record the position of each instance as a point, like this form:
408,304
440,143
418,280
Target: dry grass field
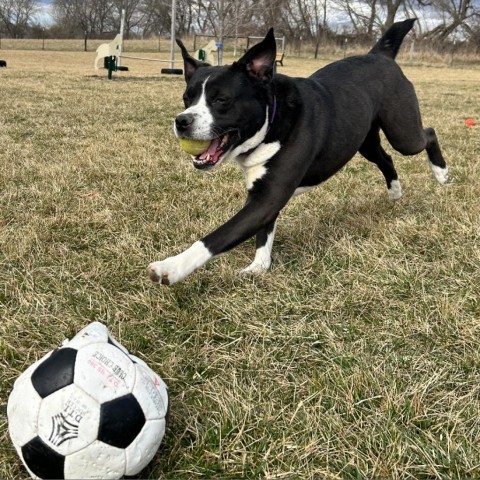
356,357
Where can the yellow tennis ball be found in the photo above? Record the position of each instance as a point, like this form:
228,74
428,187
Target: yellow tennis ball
194,147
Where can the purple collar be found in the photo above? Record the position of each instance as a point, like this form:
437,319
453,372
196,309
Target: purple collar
274,111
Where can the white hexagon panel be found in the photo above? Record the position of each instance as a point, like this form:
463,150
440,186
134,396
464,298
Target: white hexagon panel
141,451
106,461
104,371
151,392
68,420
22,410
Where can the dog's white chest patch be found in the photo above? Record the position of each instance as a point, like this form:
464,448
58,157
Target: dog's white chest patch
253,166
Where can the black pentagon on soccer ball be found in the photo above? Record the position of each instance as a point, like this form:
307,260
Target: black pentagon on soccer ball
121,420
56,372
42,460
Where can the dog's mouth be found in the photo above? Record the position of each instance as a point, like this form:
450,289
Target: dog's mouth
211,156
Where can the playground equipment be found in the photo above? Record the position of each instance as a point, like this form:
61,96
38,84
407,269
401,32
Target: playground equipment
219,46
112,52
205,54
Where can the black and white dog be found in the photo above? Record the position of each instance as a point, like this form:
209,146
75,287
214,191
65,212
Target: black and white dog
290,134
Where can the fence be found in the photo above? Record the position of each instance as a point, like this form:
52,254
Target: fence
153,44
421,52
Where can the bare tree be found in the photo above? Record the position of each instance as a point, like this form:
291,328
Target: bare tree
134,15
456,14
16,16
84,17
221,15
391,8
309,20
156,16
362,15
310,17
369,16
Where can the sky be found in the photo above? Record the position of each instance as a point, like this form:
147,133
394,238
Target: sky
44,16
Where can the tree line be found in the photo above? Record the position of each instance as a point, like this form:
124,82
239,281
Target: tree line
307,20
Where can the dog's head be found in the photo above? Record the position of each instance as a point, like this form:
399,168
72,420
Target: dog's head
227,105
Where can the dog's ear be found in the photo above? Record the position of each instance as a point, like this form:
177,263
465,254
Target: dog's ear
191,65
260,59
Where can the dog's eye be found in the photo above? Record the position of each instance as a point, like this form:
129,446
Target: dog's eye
221,100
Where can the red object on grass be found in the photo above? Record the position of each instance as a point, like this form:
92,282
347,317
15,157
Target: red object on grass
470,122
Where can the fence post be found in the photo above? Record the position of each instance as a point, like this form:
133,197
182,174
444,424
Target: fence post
85,42
453,51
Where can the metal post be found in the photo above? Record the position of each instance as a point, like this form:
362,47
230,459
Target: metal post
111,66
453,50
172,36
172,70
222,31
120,49
43,38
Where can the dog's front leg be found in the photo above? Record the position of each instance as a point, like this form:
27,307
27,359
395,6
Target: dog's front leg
258,214
263,250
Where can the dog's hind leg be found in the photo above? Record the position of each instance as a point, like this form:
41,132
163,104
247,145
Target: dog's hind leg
263,253
413,142
435,158
403,129
372,150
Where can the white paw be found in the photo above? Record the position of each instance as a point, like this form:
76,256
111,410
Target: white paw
174,269
167,271
440,174
255,268
395,191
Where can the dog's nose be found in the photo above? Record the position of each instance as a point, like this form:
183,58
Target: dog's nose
183,121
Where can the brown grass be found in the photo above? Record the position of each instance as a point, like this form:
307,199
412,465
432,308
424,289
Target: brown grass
356,356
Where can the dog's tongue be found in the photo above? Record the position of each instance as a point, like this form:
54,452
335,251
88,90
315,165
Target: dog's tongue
211,150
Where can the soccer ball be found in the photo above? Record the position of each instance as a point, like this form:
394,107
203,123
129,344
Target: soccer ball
87,410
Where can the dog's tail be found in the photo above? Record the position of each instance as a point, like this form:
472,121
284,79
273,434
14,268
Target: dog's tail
391,40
